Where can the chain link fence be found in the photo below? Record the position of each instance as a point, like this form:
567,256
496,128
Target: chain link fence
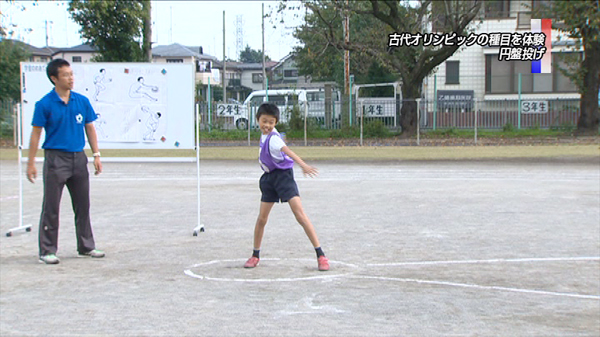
8,122
541,113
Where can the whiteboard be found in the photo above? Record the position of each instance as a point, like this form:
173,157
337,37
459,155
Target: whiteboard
139,105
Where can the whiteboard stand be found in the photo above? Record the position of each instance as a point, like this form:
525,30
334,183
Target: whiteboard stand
200,227
27,228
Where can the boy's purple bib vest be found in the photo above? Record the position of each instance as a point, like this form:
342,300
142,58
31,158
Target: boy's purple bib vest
266,160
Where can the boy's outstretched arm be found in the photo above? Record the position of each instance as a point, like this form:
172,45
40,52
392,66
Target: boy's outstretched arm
306,169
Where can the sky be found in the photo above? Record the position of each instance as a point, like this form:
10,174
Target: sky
190,23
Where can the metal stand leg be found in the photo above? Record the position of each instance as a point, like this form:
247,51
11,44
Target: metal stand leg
27,228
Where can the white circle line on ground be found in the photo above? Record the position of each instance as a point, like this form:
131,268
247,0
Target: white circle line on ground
384,278
535,259
475,286
190,273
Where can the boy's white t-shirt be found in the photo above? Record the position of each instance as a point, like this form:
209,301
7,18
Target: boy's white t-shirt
275,146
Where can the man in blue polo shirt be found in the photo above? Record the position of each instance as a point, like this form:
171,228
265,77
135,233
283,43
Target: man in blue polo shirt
64,115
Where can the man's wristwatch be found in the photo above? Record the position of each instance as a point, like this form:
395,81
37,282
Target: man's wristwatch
96,154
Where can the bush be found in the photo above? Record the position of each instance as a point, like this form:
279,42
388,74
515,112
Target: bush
375,129
296,120
508,127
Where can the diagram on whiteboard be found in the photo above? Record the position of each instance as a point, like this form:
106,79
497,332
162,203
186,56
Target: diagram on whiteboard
139,89
138,105
99,83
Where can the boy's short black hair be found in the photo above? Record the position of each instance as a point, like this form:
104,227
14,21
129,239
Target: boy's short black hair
53,66
268,109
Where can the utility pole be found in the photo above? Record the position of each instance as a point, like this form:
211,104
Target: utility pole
224,64
147,30
264,72
46,21
346,51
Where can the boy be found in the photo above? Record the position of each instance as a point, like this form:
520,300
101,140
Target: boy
277,183
64,115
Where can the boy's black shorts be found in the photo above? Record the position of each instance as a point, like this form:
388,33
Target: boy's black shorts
278,185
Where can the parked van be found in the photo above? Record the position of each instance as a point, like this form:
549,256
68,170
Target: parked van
313,100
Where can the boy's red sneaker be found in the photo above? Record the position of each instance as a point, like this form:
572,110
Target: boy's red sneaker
252,262
323,263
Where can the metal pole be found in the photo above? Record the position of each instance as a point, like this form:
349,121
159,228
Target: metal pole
519,116
249,109
19,157
418,121
224,64
305,118
208,99
199,227
434,101
476,107
263,47
362,121
350,106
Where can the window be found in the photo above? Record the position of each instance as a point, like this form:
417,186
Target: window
502,77
452,72
174,60
290,73
277,99
203,67
76,58
497,8
257,78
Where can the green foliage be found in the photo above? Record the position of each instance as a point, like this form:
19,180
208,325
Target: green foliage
508,127
346,132
11,53
375,129
296,118
6,119
371,24
231,135
250,55
564,127
216,93
114,27
581,21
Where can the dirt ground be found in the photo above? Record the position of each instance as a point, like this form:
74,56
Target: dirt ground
417,248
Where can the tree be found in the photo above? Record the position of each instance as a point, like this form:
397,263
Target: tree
250,55
371,24
581,21
114,27
11,54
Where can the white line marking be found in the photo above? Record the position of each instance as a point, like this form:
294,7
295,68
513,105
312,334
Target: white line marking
475,286
190,273
9,198
408,280
424,263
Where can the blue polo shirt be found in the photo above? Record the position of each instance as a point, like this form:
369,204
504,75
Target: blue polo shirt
64,123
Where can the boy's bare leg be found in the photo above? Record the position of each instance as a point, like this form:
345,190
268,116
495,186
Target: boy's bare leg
304,221
261,222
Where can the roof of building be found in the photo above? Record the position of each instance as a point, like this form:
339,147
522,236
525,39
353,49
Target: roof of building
178,50
35,51
82,48
231,65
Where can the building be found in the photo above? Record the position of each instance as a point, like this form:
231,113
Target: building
205,65
476,71
285,75
35,54
244,78
80,53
